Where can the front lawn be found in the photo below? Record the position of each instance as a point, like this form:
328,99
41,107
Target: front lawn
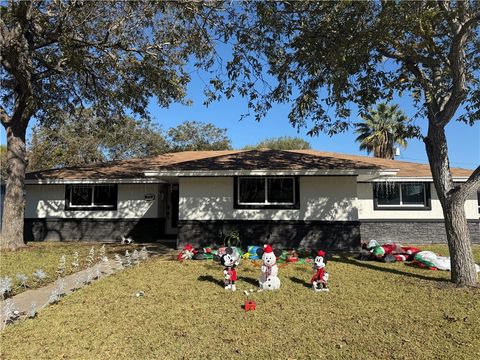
373,311
46,256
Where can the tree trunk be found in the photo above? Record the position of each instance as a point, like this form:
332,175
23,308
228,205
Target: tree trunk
14,206
461,256
453,205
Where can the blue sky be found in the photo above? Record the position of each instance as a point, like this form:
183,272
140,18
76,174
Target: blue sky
463,140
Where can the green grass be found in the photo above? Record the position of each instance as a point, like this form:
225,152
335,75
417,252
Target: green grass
373,311
46,256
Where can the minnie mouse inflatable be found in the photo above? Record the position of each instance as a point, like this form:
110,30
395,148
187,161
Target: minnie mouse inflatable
269,278
230,259
320,278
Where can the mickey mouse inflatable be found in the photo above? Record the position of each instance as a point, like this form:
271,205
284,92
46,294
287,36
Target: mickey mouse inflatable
230,259
269,277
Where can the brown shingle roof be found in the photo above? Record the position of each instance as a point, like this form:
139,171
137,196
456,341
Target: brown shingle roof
407,169
238,160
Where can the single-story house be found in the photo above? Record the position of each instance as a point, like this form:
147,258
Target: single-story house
297,198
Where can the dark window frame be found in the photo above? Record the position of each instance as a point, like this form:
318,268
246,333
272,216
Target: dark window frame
427,205
478,200
70,207
292,206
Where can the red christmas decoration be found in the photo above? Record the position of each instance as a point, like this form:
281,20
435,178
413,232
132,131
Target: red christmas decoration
250,305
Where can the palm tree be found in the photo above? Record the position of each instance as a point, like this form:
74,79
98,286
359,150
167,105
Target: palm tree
383,129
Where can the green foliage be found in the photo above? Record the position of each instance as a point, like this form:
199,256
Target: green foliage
83,138
382,129
323,56
281,143
194,136
110,56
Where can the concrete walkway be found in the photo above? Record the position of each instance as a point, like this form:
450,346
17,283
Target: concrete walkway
68,284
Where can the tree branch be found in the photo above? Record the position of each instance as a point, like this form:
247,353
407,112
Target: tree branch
471,184
412,66
4,118
457,66
443,5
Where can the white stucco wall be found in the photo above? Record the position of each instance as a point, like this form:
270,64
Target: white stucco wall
366,211
321,198
48,201
211,198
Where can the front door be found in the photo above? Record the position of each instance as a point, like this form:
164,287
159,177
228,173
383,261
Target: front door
171,226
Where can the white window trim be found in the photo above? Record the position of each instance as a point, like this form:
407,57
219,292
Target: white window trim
266,191
420,206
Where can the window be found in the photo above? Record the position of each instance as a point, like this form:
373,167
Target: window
91,197
478,199
279,192
398,196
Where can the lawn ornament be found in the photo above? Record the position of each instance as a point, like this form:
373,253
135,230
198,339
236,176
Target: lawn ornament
388,252
292,256
269,277
251,253
320,278
126,241
432,261
187,253
202,254
250,305
230,259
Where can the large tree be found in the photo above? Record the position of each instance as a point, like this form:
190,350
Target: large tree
3,164
195,136
325,56
81,139
281,143
383,129
110,56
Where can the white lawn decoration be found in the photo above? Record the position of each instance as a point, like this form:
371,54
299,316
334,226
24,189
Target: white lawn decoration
269,277
32,312
128,259
61,266
91,257
126,241
5,287
10,312
57,291
143,254
22,279
135,257
75,264
102,253
119,261
39,275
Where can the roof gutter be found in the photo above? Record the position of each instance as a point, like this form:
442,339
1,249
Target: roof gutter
94,181
284,172
416,178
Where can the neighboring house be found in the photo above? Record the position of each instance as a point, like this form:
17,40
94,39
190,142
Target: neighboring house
301,198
